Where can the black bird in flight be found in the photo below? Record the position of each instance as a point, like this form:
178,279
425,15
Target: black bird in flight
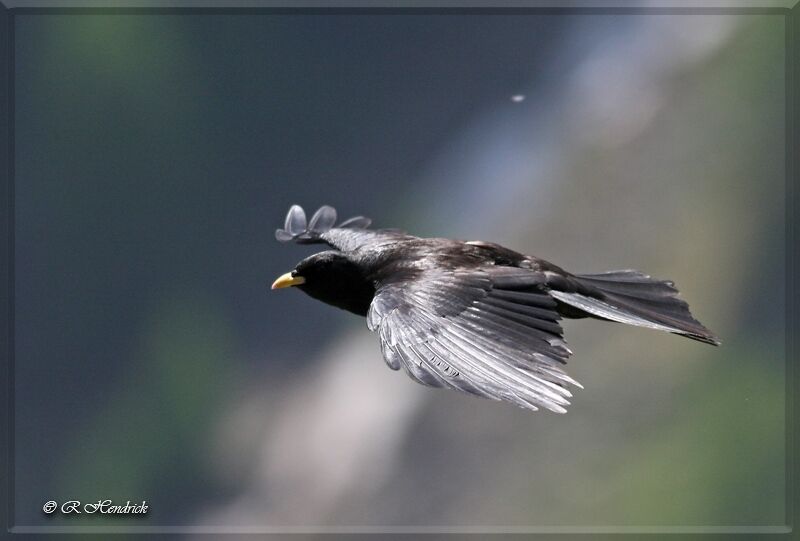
472,316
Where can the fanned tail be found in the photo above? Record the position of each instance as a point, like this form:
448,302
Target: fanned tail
632,297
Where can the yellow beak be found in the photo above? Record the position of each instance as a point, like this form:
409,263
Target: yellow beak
287,280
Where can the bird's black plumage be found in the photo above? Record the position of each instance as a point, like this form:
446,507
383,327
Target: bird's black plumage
336,279
472,316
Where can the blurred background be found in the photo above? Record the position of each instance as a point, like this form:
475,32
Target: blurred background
156,155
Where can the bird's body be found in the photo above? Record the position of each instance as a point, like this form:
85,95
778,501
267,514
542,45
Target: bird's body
473,316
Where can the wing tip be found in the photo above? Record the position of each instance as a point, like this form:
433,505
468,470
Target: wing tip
296,228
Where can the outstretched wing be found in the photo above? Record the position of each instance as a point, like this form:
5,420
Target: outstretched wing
348,235
491,332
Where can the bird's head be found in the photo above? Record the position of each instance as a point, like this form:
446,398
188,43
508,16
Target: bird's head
331,277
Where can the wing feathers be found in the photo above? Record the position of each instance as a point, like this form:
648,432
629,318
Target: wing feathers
521,309
511,333
322,229
524,298
515,279
295,223
323,219
460,329
502,315
356,222
503,373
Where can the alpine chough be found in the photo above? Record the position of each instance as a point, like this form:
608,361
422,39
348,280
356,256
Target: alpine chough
472,316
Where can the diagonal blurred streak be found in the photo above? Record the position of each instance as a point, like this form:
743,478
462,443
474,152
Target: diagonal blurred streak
338,429
605,85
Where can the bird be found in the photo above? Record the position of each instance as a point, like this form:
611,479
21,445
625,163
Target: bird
472,316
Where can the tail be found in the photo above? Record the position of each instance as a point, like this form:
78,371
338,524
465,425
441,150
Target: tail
629,296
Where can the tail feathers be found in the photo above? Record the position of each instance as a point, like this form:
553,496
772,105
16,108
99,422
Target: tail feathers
631,297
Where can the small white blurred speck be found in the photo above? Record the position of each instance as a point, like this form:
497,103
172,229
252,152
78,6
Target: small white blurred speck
516,98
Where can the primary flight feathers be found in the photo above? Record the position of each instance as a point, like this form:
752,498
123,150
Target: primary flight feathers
295,228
